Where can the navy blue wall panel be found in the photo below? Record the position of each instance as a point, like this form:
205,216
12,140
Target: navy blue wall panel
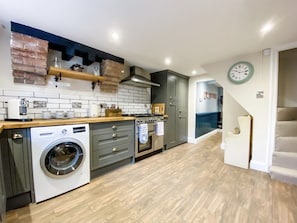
206,122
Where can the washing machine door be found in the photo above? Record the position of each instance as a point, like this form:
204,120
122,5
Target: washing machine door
62,157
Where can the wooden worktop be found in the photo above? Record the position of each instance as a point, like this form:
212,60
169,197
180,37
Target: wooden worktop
51,122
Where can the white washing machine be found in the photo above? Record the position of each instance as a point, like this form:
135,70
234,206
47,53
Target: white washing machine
60,159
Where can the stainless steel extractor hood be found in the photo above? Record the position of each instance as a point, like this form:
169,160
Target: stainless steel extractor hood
137,77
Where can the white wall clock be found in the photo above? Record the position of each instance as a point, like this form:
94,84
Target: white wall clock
240,72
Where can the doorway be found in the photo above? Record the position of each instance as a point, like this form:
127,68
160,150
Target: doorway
209,102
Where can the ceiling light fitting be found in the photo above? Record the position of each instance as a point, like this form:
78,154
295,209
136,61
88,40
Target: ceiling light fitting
167,61
266,28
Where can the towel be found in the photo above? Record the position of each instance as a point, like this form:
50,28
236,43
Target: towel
159,128
143,133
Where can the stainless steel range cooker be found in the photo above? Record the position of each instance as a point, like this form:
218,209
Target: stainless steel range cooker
155,142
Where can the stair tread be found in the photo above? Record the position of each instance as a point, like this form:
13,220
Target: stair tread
286,144
287,137
286,128
284,171
286,113
292,154
284,121
285,107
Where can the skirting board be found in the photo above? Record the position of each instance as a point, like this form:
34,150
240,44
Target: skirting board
255,165
203,137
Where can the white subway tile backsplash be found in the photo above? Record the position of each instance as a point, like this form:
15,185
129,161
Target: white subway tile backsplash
37,116
35,110
84,97
66,106
2,110
59,101
69,96
46,94
52,105
130,99
18,93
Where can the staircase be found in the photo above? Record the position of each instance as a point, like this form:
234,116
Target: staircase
284,158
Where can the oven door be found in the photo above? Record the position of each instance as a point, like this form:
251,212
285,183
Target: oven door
144,148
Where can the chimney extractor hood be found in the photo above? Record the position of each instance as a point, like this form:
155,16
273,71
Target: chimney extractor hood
137,78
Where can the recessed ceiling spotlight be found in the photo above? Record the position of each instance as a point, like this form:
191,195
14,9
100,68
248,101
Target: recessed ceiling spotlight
194,72
267,27
167,61
115,36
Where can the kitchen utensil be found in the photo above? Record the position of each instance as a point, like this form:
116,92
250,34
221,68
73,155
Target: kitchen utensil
77,67
59,114
96,70
93,110
70,114
46,115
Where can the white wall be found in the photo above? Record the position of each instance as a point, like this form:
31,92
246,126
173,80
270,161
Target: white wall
130,99
245,95
206,105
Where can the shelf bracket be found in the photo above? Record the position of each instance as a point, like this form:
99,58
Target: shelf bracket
93,85
58,77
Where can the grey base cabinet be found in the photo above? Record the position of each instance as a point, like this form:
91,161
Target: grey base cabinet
174,93
111,143
16,167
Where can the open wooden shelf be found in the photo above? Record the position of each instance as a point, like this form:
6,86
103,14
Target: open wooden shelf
60,72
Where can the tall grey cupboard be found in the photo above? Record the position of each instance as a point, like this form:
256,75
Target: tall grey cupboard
174,93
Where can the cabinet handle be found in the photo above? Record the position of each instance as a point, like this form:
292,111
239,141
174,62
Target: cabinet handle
114,127
114,135
17,136
114,149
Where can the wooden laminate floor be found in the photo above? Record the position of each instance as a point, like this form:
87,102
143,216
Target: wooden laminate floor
188,183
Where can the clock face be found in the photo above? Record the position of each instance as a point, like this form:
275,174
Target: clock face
240,72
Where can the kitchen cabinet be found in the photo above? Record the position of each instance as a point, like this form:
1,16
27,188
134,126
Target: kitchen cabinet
111,143
16,163
174,93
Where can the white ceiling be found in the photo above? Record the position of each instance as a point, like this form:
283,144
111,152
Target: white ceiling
191,32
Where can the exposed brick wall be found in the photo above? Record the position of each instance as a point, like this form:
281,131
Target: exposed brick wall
29,59
112,71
